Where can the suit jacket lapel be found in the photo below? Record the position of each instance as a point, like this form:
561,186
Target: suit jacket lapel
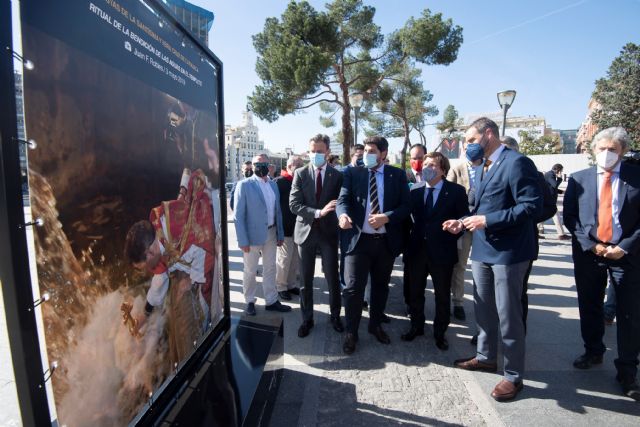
309,184
622,188
259,191
490,174
442,197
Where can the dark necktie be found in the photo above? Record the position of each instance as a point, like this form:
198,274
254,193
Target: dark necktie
485,168
373,194
318,184
428,204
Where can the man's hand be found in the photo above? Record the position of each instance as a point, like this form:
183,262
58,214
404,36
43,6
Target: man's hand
475,222
330,207
245,249
378,220
280,242
345,222
599,249
453,226
613,252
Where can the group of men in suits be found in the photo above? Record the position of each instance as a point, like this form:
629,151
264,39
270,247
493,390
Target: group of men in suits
496,209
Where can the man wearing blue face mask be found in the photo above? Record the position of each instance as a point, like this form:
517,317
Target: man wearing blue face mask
313,197
373,204
432,250
602,212
464,174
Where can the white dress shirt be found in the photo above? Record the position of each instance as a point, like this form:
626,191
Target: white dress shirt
615,205
269,199
366,228
436,191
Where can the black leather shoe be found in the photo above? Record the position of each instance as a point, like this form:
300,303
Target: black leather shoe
305,328
285,295
586,361
412,334
630,387
380,335
458,313
337,324
277,306
294,291
385,318
442,344
349,345
250,310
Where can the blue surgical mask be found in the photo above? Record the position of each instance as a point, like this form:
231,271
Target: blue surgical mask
474,152
317,159
370,160
428,174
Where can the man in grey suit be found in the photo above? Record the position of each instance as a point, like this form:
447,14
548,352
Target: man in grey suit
314,192
507,201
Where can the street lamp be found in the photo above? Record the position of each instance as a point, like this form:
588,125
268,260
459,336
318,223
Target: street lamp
237,144
505,99
356,102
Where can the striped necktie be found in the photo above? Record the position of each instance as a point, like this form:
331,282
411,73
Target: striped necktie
373,194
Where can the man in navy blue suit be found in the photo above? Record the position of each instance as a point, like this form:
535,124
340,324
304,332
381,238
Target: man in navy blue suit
432,250
602,212
507,201
371,209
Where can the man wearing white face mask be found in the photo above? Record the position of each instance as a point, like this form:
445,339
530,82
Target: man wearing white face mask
313,197
602,212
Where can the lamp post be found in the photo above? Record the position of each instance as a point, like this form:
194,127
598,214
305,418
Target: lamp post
237,144
505,99
356,102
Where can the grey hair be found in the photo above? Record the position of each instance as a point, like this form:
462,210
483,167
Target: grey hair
511,143
294,160
615,134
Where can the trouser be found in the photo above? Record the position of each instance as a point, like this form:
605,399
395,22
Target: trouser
371,256
249,284
287,263
457,279
328,246
610,303
591,273
498,306
421,267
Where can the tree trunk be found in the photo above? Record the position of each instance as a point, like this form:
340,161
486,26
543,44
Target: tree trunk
405,147
347,134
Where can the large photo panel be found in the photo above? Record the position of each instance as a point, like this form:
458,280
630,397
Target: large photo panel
126,177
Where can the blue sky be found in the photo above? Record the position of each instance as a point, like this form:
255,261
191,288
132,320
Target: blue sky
549,51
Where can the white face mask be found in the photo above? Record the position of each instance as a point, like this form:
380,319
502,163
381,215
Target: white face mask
607,159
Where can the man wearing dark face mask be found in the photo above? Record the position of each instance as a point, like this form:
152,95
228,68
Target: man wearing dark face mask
464,174
602,212
432,250
259,230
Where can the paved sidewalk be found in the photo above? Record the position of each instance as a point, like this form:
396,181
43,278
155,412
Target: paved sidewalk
414,383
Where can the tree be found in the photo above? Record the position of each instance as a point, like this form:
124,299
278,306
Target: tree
449,120
400,106
531,143
618,94
308,57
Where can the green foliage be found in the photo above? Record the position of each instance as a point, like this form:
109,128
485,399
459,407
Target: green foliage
618,94
531,143
308,57
449,120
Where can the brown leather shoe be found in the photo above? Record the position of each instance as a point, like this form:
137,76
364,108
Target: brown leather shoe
473,364
506,390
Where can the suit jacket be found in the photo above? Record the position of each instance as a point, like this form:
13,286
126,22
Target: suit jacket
353,202
552,180
510,199
303,202
459,174
411,177
251,213
288,217
580,209
451,204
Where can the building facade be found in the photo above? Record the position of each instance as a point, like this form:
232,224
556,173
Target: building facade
587,130
196,19
241,143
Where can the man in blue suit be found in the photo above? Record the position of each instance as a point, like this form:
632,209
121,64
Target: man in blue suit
431,250
259,230
602,212
371,209
507,201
